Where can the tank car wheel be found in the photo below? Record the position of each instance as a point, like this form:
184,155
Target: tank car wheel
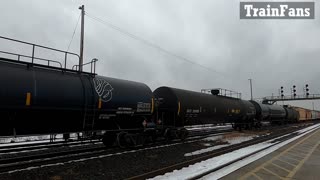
183,134
234,126
124,140
167,134
151,136
66,136
108,139
248,126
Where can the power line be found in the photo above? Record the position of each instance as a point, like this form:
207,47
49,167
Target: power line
74,31
149,43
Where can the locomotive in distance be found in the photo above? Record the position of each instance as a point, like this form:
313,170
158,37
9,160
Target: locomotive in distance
42,99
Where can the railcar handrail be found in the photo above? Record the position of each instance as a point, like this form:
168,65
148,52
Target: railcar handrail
92,63
19,55
33,57
222,92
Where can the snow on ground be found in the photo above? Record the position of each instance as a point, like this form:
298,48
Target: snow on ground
226,140
21,143
17,152
201,151
204,166
103,156
27,140
11,141
208,126
213,138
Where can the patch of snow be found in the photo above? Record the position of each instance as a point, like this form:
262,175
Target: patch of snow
16,152
22,143
208,125
201,151
207,144
213,138
4,141
237,140
229,140
103,156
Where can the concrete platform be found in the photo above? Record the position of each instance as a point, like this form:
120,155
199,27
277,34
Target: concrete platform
299,159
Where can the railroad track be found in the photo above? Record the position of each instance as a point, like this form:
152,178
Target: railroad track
40,146
50,157
8,164
29,147
285,133
73,155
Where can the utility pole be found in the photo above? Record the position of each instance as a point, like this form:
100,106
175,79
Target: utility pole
81,38
251,88
312,105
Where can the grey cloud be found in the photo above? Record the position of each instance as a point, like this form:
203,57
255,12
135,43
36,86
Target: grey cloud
273,53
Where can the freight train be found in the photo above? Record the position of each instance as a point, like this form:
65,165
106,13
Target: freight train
42,99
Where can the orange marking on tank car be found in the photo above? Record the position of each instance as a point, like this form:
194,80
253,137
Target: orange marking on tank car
152,105
28,99
99,104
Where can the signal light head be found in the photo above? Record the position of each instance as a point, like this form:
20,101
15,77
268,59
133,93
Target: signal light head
294,86
307,94
307,85
294,94
281,87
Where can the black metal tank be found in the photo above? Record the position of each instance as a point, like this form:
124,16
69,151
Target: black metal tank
269,112
262,110
37,99
277,112
177,107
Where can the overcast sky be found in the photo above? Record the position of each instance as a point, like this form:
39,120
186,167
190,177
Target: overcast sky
273,53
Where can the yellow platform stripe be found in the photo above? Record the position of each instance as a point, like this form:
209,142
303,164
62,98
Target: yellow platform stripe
274,164
256,176
305,137
100,103
271,172
293,172
28,99
287,162
152,105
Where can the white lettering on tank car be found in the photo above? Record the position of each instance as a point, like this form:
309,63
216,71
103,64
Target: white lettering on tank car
193,110
103,89
143,107
124,110
106,116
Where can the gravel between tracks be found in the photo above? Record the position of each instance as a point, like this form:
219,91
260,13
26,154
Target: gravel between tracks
117,166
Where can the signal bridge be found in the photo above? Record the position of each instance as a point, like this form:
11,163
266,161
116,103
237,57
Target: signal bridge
273,99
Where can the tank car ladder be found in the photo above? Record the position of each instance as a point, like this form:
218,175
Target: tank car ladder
89,109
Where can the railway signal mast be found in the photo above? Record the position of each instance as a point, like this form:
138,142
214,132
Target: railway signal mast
307,90
294,96
294,91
